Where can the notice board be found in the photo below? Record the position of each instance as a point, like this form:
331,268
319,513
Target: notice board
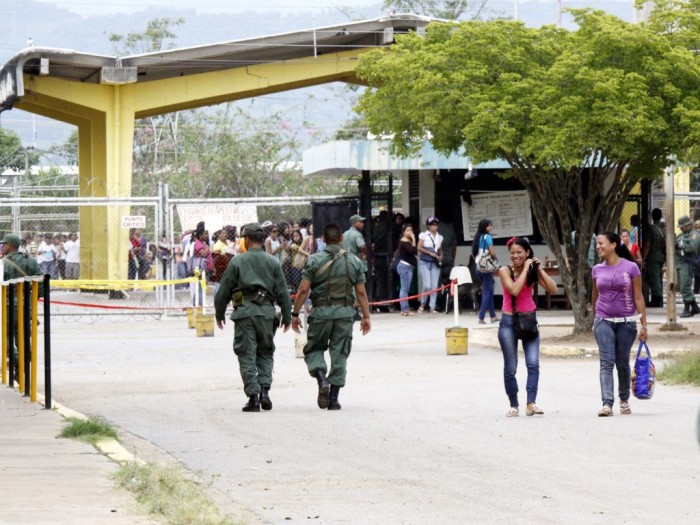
509,211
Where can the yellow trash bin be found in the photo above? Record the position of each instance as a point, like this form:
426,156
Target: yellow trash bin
457,339
205,324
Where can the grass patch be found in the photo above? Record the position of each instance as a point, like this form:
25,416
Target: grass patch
170,494
89,430
682,370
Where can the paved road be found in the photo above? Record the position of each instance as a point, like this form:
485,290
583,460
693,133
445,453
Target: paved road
421,438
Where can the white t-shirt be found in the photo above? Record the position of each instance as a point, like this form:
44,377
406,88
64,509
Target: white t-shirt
72,249
46,252
430,242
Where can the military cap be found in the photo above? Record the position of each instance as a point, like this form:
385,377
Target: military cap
684,221
356,218
11,239
253,228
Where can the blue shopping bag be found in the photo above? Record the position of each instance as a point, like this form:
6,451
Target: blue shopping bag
644,373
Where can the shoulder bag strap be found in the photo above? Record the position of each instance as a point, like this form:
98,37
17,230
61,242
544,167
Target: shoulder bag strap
512,277
13,263
328,264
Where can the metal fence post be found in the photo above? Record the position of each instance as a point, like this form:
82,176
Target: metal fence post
47,341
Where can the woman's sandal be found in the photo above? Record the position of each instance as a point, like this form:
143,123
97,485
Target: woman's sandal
513,412
533,410
421,309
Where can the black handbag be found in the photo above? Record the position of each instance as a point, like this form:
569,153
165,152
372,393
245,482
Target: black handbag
525,323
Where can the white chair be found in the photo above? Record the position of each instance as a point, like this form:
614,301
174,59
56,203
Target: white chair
463,276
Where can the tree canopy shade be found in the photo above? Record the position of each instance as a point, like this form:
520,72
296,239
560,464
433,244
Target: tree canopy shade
581,116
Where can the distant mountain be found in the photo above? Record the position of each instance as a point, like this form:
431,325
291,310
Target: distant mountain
319,111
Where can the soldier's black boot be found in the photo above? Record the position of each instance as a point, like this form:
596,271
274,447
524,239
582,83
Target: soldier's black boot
686,311
324,388
333,404
694,308
253,405
265,401
656,301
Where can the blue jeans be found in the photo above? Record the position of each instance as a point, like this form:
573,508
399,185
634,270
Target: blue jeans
429,274
486,295
509,347
405,276
615,342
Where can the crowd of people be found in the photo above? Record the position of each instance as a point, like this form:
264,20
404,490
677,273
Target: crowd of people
58,254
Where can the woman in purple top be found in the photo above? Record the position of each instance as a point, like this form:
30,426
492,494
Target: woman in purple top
618,303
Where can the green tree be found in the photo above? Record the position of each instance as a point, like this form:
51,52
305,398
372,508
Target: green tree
581,116
11,152
68,151
447,9
158,35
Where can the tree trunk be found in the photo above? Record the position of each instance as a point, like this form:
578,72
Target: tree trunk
582,200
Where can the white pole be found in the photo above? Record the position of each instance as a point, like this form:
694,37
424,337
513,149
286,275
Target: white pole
455,289
516,10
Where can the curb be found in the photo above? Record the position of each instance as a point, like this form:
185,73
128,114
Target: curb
109,447
488,338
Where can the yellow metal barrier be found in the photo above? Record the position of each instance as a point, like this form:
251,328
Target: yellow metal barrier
4,335
35,332
19,293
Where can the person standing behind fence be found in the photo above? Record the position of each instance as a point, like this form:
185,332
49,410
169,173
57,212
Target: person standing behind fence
429,260
46,255
15,265
519,280
254,280
482,244
618,302
336,278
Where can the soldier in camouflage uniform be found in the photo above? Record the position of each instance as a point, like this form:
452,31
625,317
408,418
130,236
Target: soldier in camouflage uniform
15,265
687,251
335,277
254,281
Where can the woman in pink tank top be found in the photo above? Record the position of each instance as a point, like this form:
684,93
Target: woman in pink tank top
519,279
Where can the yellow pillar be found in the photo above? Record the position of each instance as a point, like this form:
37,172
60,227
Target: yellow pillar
35,337
4,333
19,295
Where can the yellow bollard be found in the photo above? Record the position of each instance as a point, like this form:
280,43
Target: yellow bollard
19,293
190,316
457,339
205,324
4,334
35,332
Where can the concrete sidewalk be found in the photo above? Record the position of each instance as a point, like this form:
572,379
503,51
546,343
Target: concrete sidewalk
50,480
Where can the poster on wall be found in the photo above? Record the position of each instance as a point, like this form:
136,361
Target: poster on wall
509,211
216,215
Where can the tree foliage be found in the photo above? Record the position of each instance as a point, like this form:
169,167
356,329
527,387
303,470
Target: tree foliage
11,153
159,35
581,116
446,9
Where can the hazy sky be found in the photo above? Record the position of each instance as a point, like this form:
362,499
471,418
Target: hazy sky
95,7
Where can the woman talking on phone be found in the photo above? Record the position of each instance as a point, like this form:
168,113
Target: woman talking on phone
518,281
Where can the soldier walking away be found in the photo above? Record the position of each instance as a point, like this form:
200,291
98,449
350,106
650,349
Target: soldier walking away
16,265
687,251
254,281
333,275
654,257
